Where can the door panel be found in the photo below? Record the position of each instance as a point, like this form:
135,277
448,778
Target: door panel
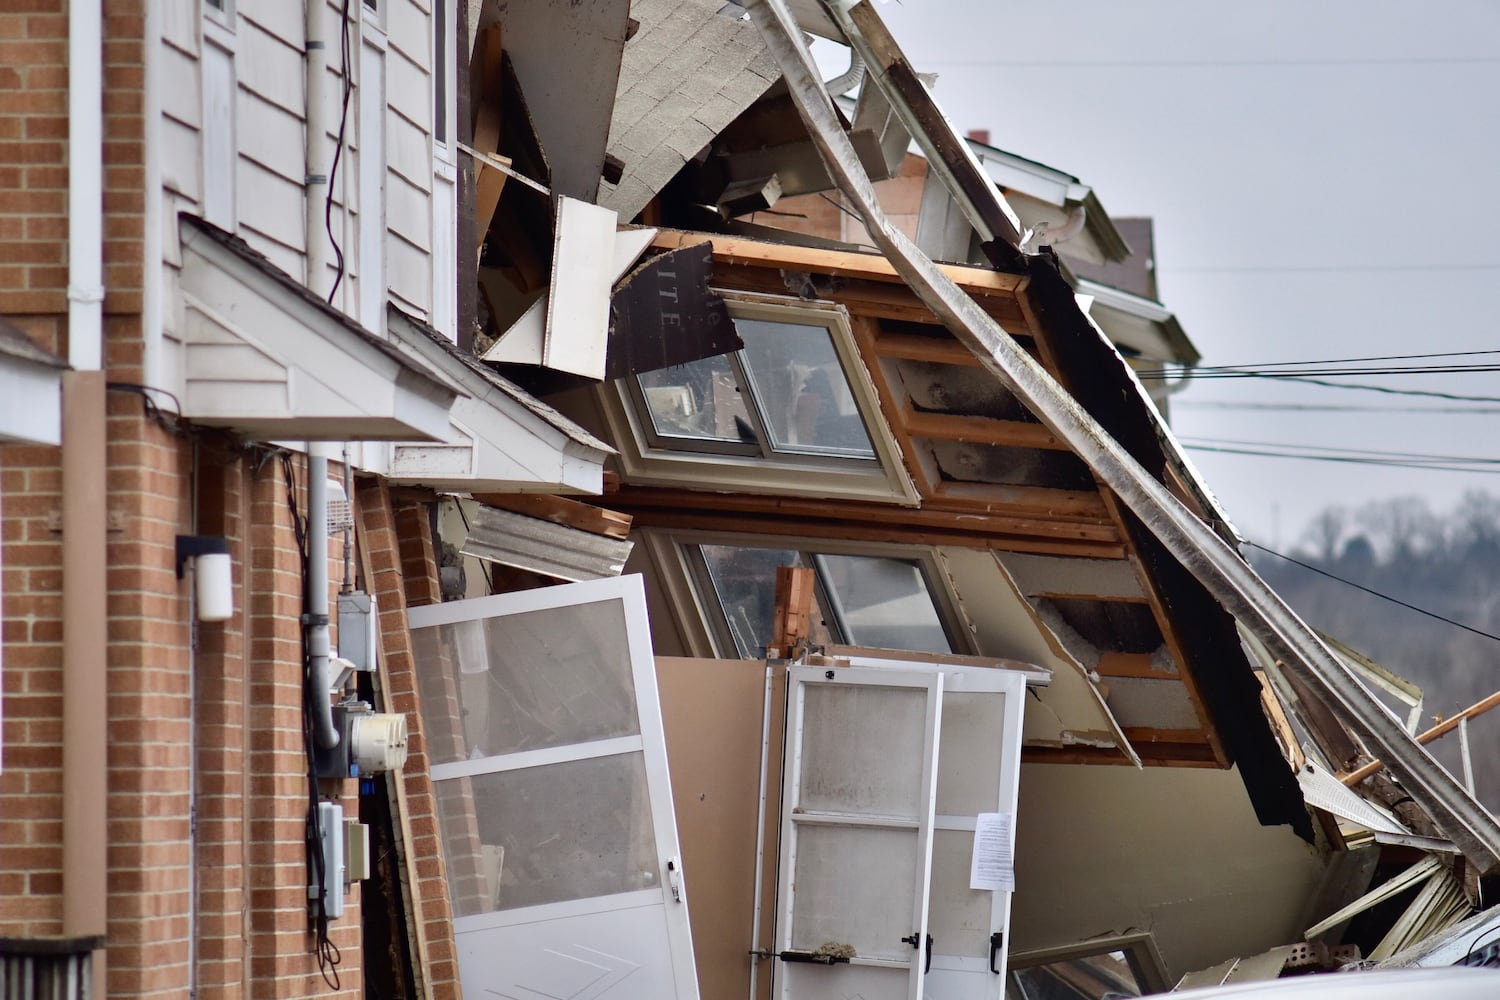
856,832
550,773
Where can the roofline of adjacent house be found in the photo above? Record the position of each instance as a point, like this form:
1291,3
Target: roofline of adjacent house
1147,309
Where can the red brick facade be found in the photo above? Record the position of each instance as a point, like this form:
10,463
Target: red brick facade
217,728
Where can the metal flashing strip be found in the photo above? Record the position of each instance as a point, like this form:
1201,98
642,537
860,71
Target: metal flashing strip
554,550
1194,544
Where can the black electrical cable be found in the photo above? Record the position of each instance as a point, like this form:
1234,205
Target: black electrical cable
1391,463
1373,593
327,952
338,149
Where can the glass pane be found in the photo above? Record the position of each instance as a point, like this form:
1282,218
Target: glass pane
839,773
803,393
700,399
744,581
969,751
1092,978
526,681
837,901
564,831
959,917
883,603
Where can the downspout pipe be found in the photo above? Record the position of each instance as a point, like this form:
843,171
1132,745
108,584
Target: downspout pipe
1197,547
85,715
318,647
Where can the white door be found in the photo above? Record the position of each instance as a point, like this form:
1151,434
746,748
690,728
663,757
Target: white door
979,762
544,734
856,833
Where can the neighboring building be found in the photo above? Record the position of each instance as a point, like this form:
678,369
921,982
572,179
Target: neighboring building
399,315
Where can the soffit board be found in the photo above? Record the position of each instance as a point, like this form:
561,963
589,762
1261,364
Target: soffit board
500,439
266,358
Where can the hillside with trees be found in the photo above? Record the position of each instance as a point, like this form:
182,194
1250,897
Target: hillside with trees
1447,564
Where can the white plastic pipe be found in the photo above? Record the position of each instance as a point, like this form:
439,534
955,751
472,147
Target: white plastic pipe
318,647
315,192
85,185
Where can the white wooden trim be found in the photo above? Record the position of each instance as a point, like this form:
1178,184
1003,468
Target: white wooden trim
524,759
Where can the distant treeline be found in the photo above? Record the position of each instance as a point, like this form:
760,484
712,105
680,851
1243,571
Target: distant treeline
1448,564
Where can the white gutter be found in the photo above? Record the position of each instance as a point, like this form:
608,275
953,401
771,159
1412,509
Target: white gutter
1202,552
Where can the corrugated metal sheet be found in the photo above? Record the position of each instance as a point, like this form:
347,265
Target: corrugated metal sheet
538,546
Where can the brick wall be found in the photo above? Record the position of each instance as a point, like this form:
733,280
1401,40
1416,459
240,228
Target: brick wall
403,572
34,151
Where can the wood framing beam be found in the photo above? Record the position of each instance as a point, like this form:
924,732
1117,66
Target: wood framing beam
885,517
977,281
1131,665
869,532
561,510
979,430
936,350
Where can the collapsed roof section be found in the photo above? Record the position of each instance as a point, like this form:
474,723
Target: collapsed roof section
1133,473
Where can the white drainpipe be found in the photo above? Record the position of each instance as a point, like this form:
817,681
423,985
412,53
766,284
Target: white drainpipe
85,186
316,191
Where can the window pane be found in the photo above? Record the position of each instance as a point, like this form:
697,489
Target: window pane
1091,978
882,602
526,681
546,834
744,581
700,399
800,385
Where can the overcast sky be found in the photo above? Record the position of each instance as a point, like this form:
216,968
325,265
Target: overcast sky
1321,175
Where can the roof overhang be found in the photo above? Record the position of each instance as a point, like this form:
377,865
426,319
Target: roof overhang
266,358
498,438
30,390
1145,327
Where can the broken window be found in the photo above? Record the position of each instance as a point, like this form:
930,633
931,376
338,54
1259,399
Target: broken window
885,601
792,412
1119,967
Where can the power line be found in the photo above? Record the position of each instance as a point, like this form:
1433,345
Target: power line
1202,404
1329,449
1210,63
1322,268
1348,361
1388,390
1342,459
1374,593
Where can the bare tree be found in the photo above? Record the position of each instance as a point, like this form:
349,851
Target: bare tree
1326,531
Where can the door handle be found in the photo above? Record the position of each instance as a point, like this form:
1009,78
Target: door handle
674,880
997,941
912,939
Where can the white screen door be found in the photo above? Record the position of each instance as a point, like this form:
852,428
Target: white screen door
549,767
856,833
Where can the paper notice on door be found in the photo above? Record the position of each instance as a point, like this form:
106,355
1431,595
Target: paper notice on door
992,866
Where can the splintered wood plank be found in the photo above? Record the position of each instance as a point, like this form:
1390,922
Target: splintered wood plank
980,430
794,599
561,510
848,264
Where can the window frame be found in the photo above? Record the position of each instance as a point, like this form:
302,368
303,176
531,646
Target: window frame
687,583
649,458
1140,952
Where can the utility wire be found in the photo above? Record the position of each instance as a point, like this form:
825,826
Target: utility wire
1374,593
1332,449
1347,361
1344,459
1202,404
1388,390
